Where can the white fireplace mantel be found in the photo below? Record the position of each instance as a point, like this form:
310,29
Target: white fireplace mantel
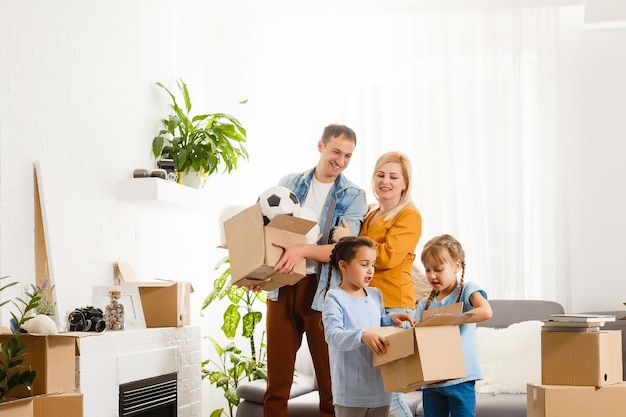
109,359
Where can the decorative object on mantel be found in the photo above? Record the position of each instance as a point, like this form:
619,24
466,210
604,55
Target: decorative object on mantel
86,319
234,366
46,303
199,145
41,324
114,311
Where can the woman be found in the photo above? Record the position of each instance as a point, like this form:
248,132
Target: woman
395,224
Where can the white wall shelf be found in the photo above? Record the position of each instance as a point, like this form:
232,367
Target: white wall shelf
161,193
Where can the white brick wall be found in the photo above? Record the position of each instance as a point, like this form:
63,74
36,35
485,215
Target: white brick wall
112,358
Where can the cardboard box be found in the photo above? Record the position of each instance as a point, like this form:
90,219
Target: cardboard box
54,360
415,356
250,250
576,401
68,404
581,358
17,408
165,303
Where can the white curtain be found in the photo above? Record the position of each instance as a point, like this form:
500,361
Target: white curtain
469,96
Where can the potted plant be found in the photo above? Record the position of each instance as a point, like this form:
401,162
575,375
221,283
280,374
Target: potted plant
46,303
12,375
233,365
199,145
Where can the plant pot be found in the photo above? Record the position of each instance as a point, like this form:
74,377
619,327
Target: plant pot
191,179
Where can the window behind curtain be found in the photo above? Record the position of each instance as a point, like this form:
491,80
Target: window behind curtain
469,96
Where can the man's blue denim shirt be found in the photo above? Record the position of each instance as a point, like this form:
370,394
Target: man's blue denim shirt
350,205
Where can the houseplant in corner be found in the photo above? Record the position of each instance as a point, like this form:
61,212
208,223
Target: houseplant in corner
12,352
234,366
199,145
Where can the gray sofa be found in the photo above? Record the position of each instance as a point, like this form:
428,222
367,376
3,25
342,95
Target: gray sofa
304,399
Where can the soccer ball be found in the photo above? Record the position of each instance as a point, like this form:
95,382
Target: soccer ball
278,200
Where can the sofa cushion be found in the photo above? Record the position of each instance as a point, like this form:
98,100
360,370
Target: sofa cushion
254,390
509,358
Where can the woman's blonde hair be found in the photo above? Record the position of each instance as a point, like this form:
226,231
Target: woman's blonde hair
405,166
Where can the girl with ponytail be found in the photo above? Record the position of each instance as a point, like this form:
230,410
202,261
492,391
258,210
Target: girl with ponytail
443,258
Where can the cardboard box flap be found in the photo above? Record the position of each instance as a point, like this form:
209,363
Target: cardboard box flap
291,224
241,224
125,275
161,282
445,319
450,308
401,344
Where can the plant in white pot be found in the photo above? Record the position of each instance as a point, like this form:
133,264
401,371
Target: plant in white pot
199,145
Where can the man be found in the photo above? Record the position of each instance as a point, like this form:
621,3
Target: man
295,310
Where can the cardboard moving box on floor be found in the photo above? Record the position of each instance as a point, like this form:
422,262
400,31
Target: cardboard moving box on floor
577,358
17,408
415,356
576,401
53,358
67,404
250,250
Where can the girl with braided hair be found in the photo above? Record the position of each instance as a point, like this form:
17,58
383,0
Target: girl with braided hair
348,312
443,257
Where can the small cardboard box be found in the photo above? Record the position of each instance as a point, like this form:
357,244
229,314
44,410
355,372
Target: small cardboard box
581,358
250,250
575,401
17,408
165,303
53,358
67,404
414,356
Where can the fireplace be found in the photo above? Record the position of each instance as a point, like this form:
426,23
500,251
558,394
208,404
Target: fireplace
150,397
109,361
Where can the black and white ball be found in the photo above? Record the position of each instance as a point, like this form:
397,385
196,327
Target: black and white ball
278,200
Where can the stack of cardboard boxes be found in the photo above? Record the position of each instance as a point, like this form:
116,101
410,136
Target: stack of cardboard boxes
53,393
581,370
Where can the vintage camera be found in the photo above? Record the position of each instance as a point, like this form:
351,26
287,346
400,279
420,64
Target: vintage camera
169,167
87,319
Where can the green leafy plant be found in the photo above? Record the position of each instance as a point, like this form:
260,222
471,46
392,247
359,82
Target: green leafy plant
46,303
202,143
233,366
11,376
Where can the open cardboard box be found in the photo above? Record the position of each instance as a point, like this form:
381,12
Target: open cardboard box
250,250
164,303
414,356
52,357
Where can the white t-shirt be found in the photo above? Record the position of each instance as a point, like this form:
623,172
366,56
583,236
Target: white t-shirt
314,203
